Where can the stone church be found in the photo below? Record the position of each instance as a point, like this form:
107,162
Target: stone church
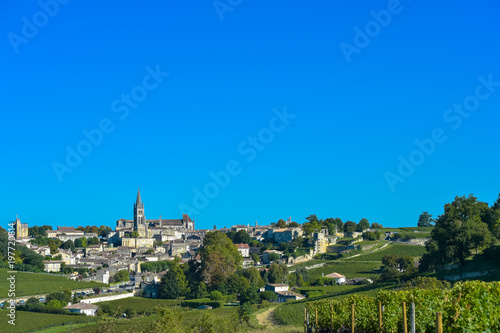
150,228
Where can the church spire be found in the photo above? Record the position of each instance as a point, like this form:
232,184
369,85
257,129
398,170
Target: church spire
138,200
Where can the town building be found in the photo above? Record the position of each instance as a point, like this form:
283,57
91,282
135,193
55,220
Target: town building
284,296
21,229
52,265
84,308
275,287
339,278
265,255
149,228
244,250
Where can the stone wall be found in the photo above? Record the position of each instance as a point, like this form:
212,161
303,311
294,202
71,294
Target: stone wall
106,298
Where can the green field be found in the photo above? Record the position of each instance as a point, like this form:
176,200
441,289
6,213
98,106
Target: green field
327,289
140,324
397,249
36,284
292,313
139,304
349,268
307,263
34,322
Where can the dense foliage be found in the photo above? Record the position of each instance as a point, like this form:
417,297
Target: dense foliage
466,224
472,306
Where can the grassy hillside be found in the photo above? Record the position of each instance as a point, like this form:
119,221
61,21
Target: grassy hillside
397,249
35,284
139,304
34,322
140,324
350,269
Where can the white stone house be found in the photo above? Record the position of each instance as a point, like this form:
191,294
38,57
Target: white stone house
339,278
52,265
244,250
277,287
87,309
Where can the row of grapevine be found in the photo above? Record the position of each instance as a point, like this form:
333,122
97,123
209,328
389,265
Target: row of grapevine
472,306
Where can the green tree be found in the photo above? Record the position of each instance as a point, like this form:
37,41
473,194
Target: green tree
68,245
32,300
340,225
122,276
219,258
242,237
244,312
457,231
54,303
350,226
281,224
81,242
170,319
93,240
377,226
277,273
251,295
169,286
200,291
407,265
390,260
363,225
216,296
255,257
269,296
312,218
273,257
54,245
311,227
135,234
425,220
253,276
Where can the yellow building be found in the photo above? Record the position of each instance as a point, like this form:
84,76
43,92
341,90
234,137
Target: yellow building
21,229
138,242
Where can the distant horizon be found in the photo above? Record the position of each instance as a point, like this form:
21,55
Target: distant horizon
207,225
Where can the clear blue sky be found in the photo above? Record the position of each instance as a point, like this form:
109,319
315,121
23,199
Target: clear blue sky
358,100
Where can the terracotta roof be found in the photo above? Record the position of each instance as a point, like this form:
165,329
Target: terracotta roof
335,276
243,246
82,306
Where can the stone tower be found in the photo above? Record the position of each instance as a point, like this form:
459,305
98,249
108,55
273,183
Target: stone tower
139,217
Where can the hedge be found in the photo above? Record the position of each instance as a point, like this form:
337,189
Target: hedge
195,303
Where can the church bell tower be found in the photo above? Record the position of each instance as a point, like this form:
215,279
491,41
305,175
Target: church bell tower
139,218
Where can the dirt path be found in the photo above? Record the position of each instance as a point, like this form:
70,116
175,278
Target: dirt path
265,318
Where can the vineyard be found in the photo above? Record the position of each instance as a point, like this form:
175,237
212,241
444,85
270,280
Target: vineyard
472,306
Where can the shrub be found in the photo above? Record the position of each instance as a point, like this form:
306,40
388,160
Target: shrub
195,303
216,296
268,296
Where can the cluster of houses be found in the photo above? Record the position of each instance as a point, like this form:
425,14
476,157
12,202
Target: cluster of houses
139,240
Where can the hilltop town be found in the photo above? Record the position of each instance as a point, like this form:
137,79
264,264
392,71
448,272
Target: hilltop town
100,253
166,266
